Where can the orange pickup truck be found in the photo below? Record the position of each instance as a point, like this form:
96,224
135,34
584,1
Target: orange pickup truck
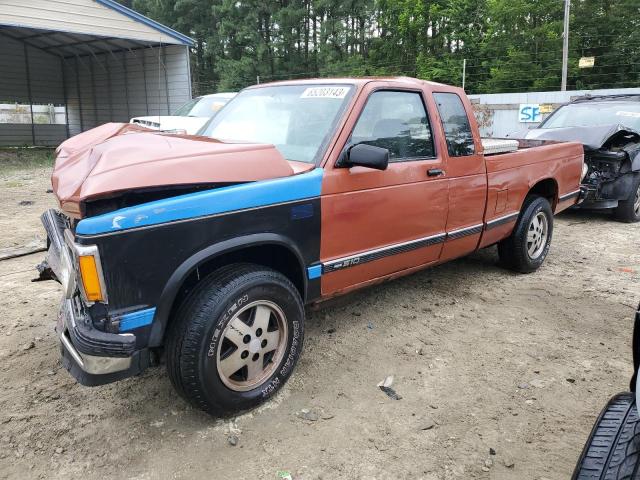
205,249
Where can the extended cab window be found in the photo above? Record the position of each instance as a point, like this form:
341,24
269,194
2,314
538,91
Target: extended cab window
455,122
398,122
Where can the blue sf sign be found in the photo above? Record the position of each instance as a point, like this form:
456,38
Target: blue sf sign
529,113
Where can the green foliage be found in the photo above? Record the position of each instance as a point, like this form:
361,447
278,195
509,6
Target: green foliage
509,45
20,158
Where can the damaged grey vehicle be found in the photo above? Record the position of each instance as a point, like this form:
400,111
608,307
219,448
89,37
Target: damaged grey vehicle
609,129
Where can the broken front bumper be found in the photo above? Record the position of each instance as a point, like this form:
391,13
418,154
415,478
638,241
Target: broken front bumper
591,200
608,194
92,356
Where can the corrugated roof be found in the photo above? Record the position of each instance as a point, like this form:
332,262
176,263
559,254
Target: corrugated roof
70,28
147,21
68,45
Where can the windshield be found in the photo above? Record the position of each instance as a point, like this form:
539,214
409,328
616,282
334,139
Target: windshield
297,119
201,107
592,114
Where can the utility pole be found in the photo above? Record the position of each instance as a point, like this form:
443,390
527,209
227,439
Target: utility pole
565,45
464,71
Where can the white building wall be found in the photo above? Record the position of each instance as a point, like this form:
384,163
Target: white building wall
502,108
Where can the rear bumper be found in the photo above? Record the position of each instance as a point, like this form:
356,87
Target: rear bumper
94,357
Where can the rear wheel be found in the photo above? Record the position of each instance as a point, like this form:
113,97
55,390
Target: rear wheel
612,451
528,245
235,339
629,210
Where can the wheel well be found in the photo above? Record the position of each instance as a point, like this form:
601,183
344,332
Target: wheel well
548,189
277,257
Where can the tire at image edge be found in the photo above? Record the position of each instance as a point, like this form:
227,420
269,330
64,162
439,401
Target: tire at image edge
612,451
625,211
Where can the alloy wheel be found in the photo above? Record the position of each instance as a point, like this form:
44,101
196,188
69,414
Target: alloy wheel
252,346
537,235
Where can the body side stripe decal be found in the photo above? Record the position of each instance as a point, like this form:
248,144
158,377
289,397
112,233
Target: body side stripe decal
569,195
501,220
316,271
379,253
464,232
211,202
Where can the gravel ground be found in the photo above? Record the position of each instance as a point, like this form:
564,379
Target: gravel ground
486,361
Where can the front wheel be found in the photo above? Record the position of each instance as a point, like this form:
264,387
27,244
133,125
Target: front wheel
235,339
528,245
612,451
629,210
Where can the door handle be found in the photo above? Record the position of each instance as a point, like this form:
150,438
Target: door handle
435,172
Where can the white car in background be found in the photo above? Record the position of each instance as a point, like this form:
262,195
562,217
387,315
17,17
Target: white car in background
190,117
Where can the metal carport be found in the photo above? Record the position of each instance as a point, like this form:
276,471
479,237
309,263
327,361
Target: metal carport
100,60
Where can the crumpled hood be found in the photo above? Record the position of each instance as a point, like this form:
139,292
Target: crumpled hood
118,157
592,138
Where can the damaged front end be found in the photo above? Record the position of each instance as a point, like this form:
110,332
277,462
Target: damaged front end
612,168
115,175
612,160
91,355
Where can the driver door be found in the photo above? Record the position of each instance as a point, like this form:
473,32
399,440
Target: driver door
379,223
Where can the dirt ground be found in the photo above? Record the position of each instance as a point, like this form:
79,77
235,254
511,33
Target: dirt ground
485,361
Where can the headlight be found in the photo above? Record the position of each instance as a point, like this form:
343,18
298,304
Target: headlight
68,275
585,170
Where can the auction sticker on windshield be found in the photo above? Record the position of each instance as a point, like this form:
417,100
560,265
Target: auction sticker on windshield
325,92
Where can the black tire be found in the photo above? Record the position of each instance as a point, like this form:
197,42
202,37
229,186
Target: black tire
628,210
612,451
195,335
513,251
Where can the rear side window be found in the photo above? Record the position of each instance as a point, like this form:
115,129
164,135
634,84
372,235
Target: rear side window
455,122
398,122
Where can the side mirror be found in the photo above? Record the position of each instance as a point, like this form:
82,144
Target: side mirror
364,155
